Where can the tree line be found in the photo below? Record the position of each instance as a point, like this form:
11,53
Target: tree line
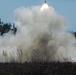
6,27
74,34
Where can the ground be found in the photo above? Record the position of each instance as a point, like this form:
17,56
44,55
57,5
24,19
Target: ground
35,68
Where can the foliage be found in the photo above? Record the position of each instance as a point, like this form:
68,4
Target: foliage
75,34
6,27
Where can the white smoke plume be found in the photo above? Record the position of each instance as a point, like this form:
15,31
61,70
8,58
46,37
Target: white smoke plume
41,37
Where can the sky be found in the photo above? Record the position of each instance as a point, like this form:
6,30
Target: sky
66,8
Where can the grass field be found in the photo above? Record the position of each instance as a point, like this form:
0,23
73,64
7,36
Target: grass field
34,68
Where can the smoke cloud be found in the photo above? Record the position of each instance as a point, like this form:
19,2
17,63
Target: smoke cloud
41,37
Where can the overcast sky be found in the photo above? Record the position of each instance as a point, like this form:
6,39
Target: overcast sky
67,8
